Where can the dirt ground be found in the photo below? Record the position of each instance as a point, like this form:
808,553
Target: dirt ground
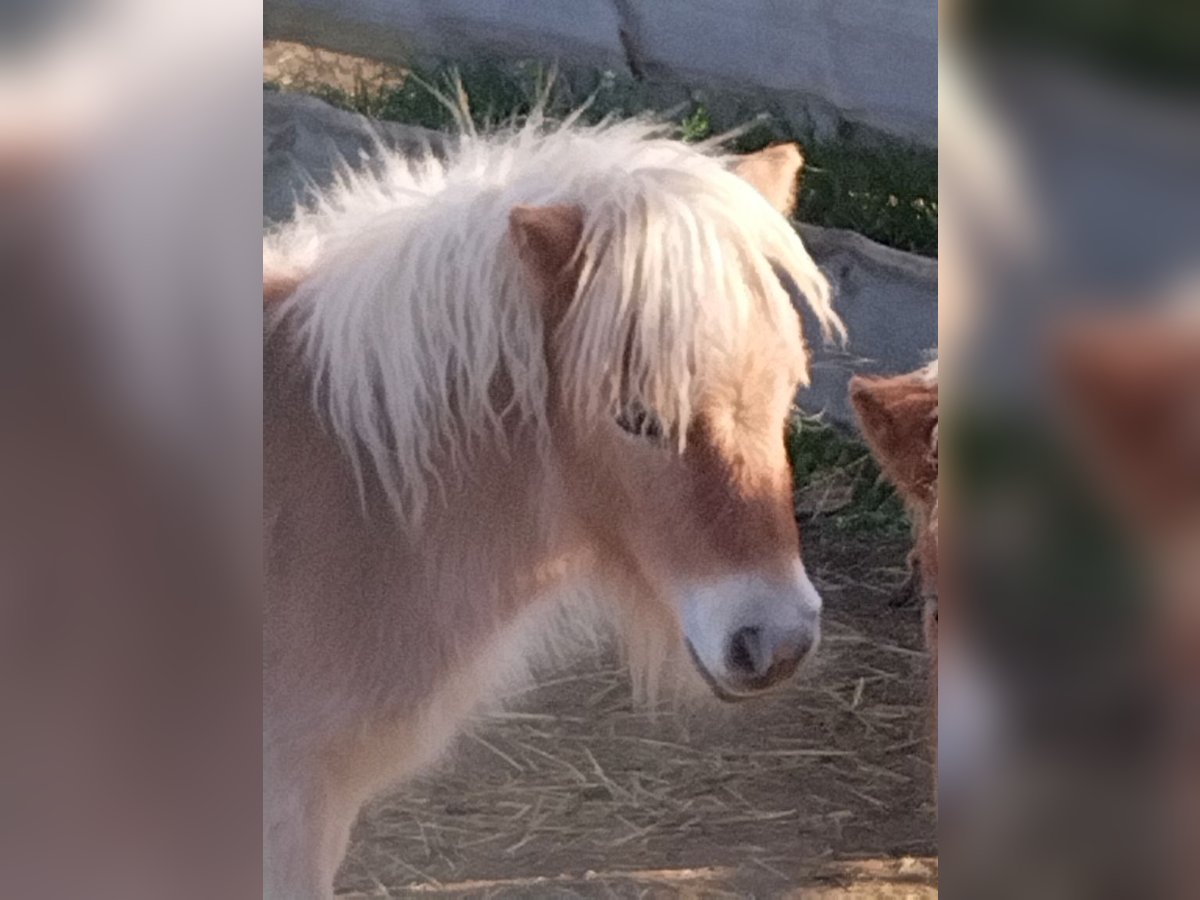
822,789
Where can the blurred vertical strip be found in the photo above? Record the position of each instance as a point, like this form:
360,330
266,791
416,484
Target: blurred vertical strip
130,449
1070,430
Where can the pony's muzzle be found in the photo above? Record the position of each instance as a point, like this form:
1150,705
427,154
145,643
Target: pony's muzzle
747,633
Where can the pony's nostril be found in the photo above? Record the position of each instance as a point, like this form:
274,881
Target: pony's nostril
745,651
758,656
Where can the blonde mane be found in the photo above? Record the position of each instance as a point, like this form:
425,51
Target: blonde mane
413,304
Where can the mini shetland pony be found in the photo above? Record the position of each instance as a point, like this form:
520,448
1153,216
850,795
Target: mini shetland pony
555,365
899,420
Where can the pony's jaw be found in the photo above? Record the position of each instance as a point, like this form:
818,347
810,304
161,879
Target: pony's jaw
748,632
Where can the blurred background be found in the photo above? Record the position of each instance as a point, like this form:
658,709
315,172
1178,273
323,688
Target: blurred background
130,155
1070,340
143,148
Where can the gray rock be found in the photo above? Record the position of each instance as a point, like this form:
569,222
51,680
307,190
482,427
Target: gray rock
305,140
888,300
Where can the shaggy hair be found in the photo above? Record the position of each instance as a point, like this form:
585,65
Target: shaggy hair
412,303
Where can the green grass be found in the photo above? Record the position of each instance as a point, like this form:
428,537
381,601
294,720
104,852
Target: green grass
819,452
884,190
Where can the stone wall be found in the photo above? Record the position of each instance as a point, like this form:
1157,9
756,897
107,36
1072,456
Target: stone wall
820,63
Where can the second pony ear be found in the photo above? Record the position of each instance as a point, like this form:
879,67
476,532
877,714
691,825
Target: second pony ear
546,238
773,172
897,416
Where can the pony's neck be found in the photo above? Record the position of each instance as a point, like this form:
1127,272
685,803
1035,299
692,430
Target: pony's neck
495,530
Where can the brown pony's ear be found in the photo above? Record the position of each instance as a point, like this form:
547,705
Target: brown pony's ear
897,416
773,173
546,238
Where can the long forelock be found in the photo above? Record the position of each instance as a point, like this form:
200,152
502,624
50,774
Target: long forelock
414,303
681,270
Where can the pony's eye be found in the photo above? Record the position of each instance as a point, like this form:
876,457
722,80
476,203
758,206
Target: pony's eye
640,422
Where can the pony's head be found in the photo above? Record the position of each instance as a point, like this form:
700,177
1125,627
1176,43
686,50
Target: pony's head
617,305
673,354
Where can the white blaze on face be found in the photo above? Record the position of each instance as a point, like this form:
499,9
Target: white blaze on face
748,631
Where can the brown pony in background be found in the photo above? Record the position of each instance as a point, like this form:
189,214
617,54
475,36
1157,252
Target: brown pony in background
899,420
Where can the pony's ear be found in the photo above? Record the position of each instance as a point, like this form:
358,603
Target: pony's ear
897,416
546,238
773,173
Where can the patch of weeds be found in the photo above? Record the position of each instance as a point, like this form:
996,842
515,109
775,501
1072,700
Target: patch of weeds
885,189
838,484
496,93
887,193
697,125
